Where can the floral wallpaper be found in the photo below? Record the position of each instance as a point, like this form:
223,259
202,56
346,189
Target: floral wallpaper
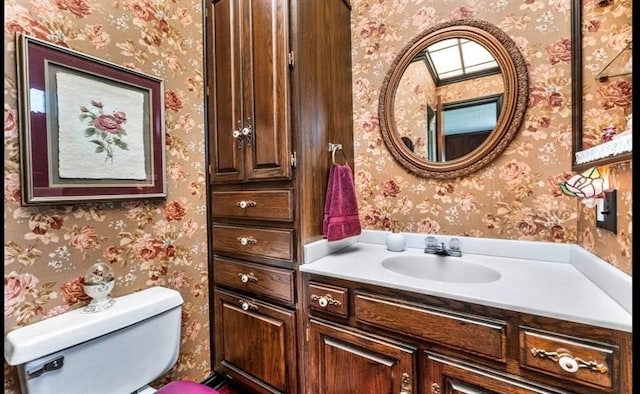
48,249
517,195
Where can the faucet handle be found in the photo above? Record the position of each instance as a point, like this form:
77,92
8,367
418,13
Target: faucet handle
431,243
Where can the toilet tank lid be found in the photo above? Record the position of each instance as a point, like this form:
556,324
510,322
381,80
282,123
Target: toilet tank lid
77,326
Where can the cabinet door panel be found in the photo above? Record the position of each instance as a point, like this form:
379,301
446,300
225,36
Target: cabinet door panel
226,94
266,73
345,361
449,376
255,342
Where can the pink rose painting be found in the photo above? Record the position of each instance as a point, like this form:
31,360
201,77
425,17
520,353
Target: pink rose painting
105,130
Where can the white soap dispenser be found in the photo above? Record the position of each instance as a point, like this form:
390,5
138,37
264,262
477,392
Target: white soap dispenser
395,240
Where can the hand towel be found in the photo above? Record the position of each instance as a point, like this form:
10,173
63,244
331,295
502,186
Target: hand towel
341,218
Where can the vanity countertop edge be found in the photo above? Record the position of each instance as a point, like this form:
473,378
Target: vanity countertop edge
562,281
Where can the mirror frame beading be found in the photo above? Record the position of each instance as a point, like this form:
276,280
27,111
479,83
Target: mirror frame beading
516,97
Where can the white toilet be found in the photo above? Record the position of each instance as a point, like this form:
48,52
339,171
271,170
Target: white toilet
118,351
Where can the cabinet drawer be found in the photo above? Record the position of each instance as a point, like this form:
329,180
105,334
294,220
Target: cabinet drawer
253,241
254,278
328,299
570,358
475,334
254,204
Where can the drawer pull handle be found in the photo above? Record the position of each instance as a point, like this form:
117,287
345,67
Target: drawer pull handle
250,277
435,388
405,383
325,300
567,362
246,204
247,305
244,241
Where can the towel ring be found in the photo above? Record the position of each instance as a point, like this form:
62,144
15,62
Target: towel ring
333,155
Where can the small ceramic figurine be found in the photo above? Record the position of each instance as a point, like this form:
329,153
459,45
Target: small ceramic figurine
608,133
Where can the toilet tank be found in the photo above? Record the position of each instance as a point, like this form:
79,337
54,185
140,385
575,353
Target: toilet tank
117,351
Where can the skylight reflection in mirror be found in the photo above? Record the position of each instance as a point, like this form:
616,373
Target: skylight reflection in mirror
459,58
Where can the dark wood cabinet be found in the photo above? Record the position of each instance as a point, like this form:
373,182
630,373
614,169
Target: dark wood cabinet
345,361
461,347
279,92
249,60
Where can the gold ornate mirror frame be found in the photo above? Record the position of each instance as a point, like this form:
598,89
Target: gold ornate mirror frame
516,95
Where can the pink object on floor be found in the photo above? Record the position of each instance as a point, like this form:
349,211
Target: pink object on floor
341,218
186,387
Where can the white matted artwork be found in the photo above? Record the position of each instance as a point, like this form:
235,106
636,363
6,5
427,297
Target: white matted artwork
100,129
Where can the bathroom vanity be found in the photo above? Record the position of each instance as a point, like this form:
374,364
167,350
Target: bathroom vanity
541,326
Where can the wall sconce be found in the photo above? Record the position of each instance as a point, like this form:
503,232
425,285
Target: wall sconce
592,187
606,207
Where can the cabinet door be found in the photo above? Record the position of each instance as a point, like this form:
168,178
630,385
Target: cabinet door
346,361
255,343
249,114
265,37
226,151
449,376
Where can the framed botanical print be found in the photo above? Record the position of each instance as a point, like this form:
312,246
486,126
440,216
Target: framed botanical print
90,129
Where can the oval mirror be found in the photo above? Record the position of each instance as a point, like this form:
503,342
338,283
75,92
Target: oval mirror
453,99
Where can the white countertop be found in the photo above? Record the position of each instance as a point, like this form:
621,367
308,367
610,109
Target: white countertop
555,280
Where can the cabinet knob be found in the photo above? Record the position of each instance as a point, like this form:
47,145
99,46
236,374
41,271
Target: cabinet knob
325,300
237,133
246,204
245,278
568,362
244,241
245,305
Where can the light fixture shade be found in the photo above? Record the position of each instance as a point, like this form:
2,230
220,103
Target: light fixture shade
587,186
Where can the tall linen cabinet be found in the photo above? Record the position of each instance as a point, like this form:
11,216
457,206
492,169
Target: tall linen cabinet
278,93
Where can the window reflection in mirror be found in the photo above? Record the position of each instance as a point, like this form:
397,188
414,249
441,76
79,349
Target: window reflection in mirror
466,124
447,99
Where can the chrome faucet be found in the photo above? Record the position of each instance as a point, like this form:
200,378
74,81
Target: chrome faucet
432,246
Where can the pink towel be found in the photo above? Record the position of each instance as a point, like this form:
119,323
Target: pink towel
341,218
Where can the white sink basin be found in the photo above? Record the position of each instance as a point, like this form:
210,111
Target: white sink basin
441,268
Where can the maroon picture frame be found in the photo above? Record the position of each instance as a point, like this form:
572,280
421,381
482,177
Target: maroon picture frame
46,174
